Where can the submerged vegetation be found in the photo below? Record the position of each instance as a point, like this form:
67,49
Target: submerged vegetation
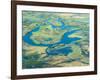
55,39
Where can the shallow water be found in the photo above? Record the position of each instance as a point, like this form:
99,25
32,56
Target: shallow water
48,38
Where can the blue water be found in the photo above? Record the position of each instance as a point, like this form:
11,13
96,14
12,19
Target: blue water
64,39
65,51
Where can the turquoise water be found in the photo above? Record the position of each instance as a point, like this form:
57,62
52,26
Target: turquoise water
54,39
64,39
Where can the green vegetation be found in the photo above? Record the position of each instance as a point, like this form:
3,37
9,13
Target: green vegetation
50,27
